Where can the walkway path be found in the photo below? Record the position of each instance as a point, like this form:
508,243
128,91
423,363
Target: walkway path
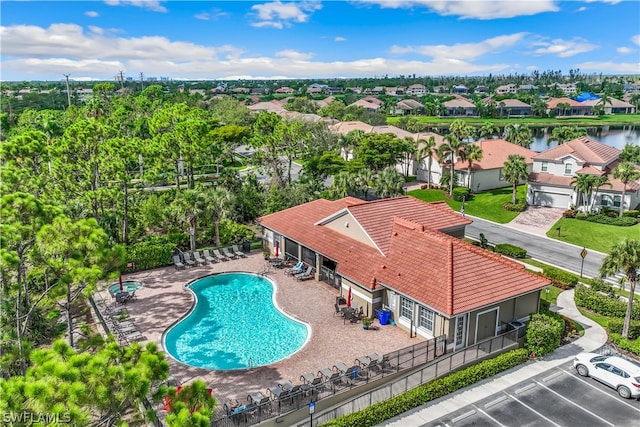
594,338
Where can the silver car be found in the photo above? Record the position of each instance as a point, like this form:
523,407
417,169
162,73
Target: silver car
614,371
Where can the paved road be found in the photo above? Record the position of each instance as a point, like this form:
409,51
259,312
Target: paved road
541,248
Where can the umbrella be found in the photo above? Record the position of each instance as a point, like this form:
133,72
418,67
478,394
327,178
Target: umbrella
277,248
121,287
349,297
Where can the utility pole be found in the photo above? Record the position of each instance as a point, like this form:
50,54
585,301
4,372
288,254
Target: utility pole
142,81
121,80
68,91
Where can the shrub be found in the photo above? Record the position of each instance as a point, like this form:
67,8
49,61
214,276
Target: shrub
381,411
624,221
615,327
560,278
600,285
633,213
543,334
152,253
510,250
515,207
570,213
581,216
603,304
460,193
624,344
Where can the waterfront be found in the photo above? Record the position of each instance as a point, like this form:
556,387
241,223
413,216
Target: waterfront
615,136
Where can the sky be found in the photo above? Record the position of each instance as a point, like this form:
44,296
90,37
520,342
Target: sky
230,40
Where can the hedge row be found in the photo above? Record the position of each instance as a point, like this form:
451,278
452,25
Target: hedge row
379,412
624,344
149,254
624,221
615,327
515,207
603,304
510,250
560,278
460,193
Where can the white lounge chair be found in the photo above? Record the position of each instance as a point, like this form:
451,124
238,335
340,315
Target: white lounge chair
187,259
178,263
209,257
217,253
238,252
198,258
229,254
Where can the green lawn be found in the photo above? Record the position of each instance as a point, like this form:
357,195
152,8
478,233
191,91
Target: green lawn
591,235
486,205
611,119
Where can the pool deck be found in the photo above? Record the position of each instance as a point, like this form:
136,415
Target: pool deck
163,299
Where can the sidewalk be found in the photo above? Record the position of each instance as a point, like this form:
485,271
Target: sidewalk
594,338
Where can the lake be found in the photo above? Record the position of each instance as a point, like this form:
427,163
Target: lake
615,136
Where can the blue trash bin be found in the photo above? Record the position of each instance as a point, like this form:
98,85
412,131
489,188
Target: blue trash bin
383,316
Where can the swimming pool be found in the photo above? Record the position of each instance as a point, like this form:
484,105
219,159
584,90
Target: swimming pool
234,324
127,285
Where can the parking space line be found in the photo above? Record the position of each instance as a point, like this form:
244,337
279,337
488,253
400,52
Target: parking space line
575,404
525,388
495,402
489,416
601,391
533,410
463,416
552,376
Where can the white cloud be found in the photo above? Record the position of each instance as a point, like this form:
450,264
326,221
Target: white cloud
294,55
636,39
581,9
340,39
614,67
563,48
209,16
473,9
463,51
624,50
91,14
203,16
153,5
278,15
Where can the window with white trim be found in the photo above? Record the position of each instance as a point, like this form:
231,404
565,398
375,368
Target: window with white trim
426,319
460,329
544,167
616,201
568,168
604,200
406,308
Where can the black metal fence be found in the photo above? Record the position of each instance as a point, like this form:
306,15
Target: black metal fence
328,382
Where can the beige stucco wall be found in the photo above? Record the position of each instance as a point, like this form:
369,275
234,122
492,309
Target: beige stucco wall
346,224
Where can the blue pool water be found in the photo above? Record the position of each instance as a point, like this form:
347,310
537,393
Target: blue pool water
234,324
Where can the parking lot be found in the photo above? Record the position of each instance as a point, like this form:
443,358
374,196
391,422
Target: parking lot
558,397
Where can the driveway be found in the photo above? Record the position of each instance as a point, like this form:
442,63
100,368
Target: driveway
536,219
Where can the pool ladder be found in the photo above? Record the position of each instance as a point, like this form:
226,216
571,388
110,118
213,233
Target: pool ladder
250,363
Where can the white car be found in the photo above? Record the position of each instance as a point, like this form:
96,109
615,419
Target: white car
613,371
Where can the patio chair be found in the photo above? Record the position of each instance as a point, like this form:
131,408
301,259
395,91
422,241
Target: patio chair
238,252
228,253
221,257
188,260
306,275
296,269
178,263
208,257
198,258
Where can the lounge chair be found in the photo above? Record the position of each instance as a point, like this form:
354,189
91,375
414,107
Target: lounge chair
208,257
187,259
306,275
178,263
229,254
296,269
238,252
217,253
198,258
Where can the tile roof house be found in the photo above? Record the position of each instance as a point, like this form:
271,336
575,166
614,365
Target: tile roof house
614,106
369,106
460,107
486,174
513,108
409,106
554,169
567,107
406,255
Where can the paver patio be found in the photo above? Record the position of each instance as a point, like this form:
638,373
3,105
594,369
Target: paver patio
164,299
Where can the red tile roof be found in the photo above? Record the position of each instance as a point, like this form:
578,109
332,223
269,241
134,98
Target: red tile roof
584,149
495,152
412,256
551,179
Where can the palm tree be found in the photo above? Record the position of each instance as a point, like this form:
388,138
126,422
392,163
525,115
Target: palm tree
363,181
219,202
389,183
583,184
190,204
515,170
563,134
518,134
427,151
625,256
410,147
473,153
342,183
451,150
488,130
626,172
598,181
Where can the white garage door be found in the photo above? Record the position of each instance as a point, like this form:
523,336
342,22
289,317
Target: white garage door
552,200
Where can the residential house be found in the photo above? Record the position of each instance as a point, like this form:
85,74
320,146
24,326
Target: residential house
271,106
332,90
562,107
440,89
459,89
315,88
421,166
460,107
394,91
372,99
550,182
285,90
259,91
513,108
369,106
408,106
527,88
407,256
240,90
614,106
416,90
568,88
481,89
486,174
506,89
324,102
